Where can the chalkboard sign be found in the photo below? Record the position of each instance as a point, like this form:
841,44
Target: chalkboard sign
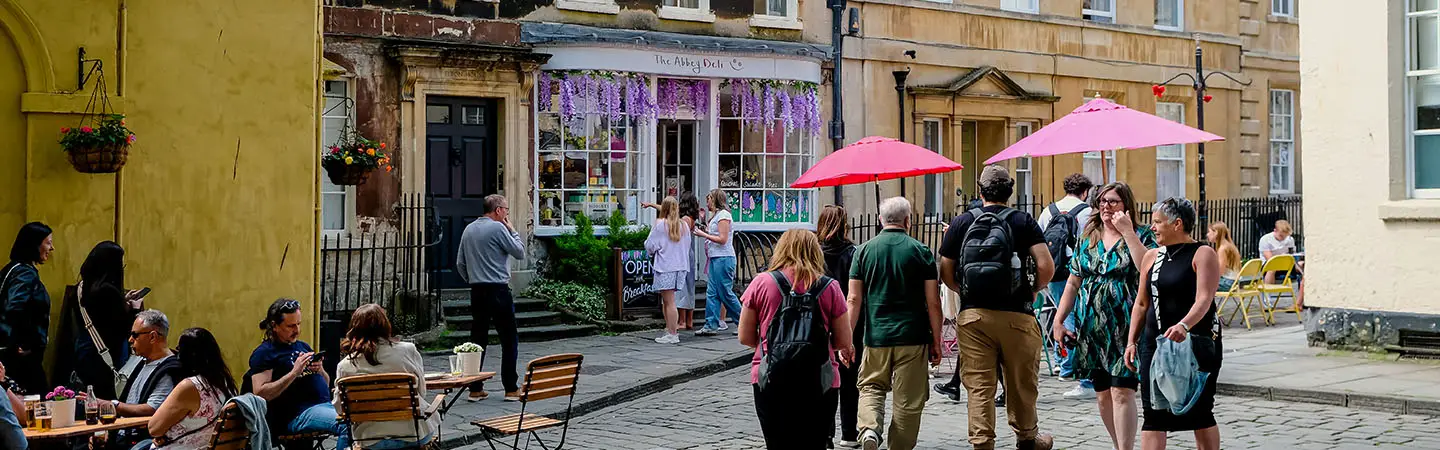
633,278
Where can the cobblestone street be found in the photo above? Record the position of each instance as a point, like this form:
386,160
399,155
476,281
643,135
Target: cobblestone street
717,413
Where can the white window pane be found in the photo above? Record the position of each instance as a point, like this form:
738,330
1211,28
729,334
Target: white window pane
1426,43
1169,179
1424,5
1167,13
1427,102
683,3
332,211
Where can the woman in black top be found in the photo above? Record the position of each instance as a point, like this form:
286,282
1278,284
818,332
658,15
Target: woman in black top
1179,281
112,310
26,316
833,229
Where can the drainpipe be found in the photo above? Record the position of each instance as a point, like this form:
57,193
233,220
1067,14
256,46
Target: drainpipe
122,16
837,111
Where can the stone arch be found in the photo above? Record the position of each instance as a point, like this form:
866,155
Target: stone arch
34,56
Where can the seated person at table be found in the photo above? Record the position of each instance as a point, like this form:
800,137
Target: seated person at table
12,427
188,417
284,371
369,348
1279,242
156,371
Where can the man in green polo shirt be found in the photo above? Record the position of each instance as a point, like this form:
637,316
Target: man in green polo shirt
893,288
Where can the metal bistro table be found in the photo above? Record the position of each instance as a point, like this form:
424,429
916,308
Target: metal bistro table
454,386
81,429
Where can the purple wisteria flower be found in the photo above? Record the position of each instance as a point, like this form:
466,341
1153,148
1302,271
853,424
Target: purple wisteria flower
567,98
542,91
787,110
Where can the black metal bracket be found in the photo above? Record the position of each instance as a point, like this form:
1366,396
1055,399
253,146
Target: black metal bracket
84,75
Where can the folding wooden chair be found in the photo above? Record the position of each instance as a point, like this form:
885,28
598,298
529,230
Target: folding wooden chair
548,377
231,433
1243,294
386,397
1285,264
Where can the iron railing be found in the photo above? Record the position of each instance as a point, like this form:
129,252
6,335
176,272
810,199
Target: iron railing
1248,219
384,265
929,229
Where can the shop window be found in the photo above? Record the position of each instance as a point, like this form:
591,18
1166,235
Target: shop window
934,138
1102,11
760,158
1170,159
587,159
337,203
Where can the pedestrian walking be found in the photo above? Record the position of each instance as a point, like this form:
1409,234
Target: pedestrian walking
893,290
1178,284
670,244
987,257
1064,221
720,252
486,246
25,321
834,233
1104,276
794,318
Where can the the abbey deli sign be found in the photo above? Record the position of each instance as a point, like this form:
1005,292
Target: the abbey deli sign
681,63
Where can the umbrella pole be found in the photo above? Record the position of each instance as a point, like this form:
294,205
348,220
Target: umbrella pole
877,196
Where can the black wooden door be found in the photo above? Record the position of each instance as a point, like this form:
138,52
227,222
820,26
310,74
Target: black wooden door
461,161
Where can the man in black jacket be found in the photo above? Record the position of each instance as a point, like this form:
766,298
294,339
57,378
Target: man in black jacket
153,372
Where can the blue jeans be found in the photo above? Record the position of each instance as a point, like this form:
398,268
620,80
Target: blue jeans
721,291
398,444
321,418
1067,362
12,435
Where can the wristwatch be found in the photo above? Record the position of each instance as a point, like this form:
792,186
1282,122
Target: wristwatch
115,403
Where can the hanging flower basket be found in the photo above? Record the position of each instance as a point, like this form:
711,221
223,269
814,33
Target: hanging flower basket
350,162
100,149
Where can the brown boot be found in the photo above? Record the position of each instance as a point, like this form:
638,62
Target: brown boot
1042,441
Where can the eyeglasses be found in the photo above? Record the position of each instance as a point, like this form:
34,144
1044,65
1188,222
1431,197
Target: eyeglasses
136,335
1106,201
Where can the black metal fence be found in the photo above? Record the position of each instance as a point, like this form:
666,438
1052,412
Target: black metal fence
385,265
930,228
1249,219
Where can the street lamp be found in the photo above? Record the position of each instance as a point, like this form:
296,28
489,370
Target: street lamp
900,76
1199,83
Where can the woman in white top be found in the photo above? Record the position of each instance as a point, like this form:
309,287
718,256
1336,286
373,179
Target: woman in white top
369,348
188,417
720,292
670,244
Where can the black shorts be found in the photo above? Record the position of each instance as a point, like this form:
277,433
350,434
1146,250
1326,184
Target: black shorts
1103,381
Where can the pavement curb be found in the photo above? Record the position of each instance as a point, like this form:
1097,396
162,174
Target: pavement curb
641,389
1381,403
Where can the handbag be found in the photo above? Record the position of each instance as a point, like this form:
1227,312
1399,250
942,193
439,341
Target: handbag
121,379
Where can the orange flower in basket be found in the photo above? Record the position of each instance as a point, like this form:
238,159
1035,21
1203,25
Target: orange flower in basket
370,152
382,145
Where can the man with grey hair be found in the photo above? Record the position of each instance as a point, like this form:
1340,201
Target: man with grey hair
987,257
893,288
153,372
486,246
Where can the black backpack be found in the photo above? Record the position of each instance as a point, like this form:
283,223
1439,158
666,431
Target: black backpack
1061,237
797,348
989,266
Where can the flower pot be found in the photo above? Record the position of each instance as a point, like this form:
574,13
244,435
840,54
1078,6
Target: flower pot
470,363
62,413
342,174
101,159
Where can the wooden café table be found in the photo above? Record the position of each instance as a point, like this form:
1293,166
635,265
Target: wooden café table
81,429
454,386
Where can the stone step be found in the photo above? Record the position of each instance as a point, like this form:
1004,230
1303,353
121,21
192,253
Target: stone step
528,334
522,319
461,307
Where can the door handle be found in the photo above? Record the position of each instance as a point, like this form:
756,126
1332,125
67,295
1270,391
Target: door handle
457,158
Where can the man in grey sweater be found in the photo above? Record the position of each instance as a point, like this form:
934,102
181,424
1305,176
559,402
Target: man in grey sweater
486,247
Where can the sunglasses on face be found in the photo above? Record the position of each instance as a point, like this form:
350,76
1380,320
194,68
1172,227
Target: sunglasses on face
136,335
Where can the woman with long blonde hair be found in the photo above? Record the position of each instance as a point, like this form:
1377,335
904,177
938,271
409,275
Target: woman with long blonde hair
1219,237
669,243
720,252
787,412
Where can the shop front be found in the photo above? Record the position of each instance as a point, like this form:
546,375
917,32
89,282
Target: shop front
621,125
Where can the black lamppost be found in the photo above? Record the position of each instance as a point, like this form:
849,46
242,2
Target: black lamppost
900,76
1198,82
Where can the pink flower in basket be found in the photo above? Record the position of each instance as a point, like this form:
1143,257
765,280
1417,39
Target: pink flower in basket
86,129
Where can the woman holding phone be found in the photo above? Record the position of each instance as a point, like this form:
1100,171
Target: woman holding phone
102,319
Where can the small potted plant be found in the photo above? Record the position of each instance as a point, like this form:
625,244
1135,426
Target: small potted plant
351,161
470,355
99,149
62,407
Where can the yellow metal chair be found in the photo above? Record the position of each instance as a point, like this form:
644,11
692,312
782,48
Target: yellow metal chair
1244,293
1271,292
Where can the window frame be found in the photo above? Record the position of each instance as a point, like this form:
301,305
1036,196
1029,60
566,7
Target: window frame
1034,6
700,13
934,206
639,165
348,209
1181,159
789,21
809,143
1412,78
594,6
1179,16
1289,188
1024,185
1289,8
1091,14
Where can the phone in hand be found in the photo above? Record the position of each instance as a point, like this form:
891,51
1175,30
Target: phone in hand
143,292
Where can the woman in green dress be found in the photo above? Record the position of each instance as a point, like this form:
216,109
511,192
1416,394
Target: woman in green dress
1104,275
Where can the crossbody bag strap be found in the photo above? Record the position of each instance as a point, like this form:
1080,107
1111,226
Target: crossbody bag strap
90,327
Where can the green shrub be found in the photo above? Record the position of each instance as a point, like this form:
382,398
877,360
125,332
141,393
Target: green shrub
587,301
582,257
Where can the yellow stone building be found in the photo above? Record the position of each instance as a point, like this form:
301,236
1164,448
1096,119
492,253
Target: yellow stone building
985,73
217,207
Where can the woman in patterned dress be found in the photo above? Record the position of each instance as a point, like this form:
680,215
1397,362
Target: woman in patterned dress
189,415
1104,276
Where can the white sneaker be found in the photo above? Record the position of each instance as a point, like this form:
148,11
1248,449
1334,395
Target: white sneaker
724,326
869,440
1080,393
848,444
705,331
668,339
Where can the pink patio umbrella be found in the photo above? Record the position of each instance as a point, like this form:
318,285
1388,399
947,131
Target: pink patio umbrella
1103,125
874,159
